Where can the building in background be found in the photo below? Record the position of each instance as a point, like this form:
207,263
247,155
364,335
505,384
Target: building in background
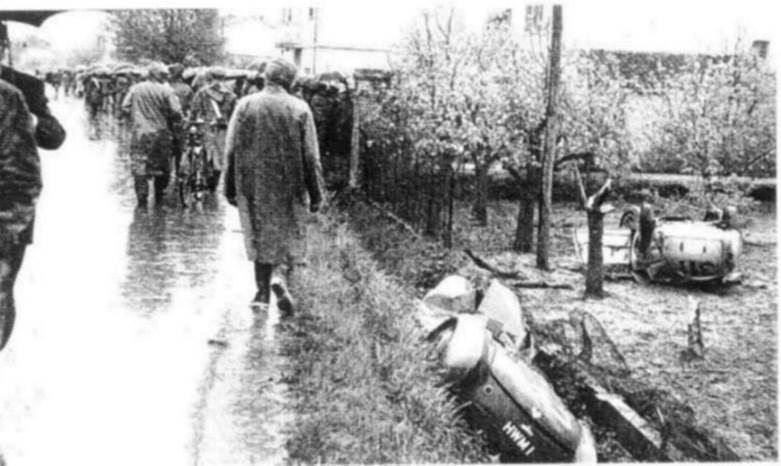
317,39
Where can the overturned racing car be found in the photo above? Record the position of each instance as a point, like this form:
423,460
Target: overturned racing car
672,249
486,353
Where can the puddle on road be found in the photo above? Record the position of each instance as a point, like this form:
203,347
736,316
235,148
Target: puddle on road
246,426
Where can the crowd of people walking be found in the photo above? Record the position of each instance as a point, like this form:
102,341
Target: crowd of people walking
263,131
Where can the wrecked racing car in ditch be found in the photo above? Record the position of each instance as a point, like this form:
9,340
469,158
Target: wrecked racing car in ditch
485,352
520,377
671,249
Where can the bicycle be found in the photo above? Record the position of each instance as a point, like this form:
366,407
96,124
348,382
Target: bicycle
196,168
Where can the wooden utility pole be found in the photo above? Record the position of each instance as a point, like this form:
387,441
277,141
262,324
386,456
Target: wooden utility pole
549,152
355,139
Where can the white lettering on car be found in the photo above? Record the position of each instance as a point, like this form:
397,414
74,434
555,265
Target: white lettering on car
520,439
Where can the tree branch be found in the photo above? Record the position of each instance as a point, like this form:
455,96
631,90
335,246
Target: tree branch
594,202
514,172
542,284
587,155
483,264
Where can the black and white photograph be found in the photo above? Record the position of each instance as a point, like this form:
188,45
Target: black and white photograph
343,232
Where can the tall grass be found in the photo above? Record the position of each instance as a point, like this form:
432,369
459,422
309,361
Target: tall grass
364,385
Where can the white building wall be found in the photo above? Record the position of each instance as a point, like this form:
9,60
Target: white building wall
248,36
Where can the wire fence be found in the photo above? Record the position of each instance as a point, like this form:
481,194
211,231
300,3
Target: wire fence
416,186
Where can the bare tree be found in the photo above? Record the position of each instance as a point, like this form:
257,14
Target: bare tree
595,211
168,35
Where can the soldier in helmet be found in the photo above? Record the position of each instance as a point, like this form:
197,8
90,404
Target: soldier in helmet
25,124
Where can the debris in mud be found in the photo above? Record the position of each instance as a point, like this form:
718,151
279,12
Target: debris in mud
519,280
695,346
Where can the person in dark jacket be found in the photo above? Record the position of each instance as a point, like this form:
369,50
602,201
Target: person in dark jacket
214,102
20,185
273,164
183,92
93,99
25,124
154,113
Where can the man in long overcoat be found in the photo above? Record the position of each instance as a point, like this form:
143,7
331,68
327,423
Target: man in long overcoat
154,112
273,164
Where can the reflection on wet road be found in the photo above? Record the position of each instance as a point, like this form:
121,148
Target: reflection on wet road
110,361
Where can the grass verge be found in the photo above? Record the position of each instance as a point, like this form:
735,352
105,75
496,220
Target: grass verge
363,386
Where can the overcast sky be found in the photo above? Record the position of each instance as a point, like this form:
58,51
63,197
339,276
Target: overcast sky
660,25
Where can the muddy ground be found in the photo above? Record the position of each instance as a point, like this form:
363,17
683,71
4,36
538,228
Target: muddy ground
733,390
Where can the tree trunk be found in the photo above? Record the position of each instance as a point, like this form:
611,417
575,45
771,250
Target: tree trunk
595,212
479,209
549,153
524,228
432,207
594,275
450,196
524,231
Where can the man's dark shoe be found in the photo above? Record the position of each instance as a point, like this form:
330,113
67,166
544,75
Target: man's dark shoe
284,301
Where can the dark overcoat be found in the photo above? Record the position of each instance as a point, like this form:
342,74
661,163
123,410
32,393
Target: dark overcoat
20,168
273,163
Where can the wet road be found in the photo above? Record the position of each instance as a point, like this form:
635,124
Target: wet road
110,361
